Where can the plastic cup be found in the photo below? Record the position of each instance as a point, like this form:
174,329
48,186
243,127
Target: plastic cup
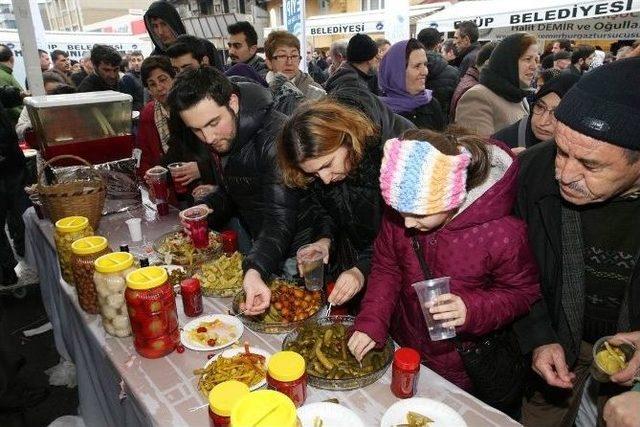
158,177
428,291
195,223
229,241
135,228
598,372
177,187
311,263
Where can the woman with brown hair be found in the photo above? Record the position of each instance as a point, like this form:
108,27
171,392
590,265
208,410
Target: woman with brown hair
334,148
499,100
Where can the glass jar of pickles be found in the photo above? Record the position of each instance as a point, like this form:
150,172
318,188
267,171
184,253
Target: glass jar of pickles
110,280
264,408
152,311
67,231
85,251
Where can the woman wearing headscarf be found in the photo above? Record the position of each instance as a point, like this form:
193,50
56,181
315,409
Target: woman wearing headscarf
540,125
402,76
499,100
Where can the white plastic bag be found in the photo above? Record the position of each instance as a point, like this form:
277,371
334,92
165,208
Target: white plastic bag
64,373
68,421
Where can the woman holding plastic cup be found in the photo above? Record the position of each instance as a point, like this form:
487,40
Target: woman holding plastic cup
454,193
333,147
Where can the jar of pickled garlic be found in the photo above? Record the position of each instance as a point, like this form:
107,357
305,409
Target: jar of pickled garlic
67,231
110,280
152,311
85,251
286,373
264,408
222,399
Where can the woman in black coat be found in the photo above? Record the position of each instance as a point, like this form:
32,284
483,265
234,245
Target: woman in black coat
333,147
402,76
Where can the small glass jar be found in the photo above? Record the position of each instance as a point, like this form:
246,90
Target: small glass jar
229,241
191,293
222,399
286,373
405,372
152,311
67,231
264,408
109,278
85,251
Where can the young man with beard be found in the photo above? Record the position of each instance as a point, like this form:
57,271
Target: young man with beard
238,124
106,66
243,47
131,82
581,60
580,197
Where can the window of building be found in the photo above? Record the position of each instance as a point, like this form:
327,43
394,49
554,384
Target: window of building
372,4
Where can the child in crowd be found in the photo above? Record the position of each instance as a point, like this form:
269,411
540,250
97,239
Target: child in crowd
455,193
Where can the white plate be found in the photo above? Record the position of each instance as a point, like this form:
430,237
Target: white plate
235,351
331,414
225,318
441,414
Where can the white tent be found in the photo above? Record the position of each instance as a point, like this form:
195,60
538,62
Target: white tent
549,19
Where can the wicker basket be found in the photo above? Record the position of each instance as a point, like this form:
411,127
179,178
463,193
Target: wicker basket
77,197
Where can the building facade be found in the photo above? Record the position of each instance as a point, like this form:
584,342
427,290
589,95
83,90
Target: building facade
73,15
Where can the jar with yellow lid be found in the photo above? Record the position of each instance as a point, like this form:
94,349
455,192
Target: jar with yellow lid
152,311
85,251
264,408
286,373
110,280
222,400
67,231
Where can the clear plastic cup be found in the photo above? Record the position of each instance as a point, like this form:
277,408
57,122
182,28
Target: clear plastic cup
158,177
195,222
311,264
177,187
428,291
598,372
135,228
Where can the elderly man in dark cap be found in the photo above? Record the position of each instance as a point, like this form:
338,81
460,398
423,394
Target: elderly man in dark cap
361,64
580,196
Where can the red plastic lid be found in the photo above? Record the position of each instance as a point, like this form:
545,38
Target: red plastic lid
406,358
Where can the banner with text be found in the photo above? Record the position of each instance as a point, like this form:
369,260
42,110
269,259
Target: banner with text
294,18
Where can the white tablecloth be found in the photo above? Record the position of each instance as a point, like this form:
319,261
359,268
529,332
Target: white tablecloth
117,387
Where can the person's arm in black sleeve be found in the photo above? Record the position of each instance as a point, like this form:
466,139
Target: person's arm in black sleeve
10,96
271,246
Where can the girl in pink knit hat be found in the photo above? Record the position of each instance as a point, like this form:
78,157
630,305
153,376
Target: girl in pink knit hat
455,193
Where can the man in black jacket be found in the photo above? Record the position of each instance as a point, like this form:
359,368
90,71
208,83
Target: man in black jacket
239,125
582,222
442,78
466,41
361,64
164,25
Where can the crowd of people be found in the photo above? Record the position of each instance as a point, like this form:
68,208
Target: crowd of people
516,177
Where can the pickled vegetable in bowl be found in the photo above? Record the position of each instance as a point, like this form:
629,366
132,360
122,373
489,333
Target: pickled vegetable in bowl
176,248
611,359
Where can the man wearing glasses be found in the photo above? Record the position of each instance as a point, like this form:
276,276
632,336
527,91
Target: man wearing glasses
243,46
540,125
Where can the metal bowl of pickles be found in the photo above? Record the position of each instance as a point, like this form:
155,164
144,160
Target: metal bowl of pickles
609,359
175,247
291,305
330,365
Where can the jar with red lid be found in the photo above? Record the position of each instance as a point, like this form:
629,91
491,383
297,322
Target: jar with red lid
222,399
405,372
191,293
85,251
286,373
151,305
336,310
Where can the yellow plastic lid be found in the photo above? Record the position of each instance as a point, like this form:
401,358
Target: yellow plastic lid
264,408
89,245
224,396
286,366
113,262
147,278
72,224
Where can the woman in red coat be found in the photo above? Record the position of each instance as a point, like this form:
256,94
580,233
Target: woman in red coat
456,194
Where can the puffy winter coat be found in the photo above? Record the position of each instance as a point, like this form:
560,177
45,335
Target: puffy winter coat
469,80
250,184
346,75
485,252
349,211
441,80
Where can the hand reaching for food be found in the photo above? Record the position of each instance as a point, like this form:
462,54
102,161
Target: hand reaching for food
360,344
258,294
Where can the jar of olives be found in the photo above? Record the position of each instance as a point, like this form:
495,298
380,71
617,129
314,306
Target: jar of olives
85,251
152,310
67,231
109,278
